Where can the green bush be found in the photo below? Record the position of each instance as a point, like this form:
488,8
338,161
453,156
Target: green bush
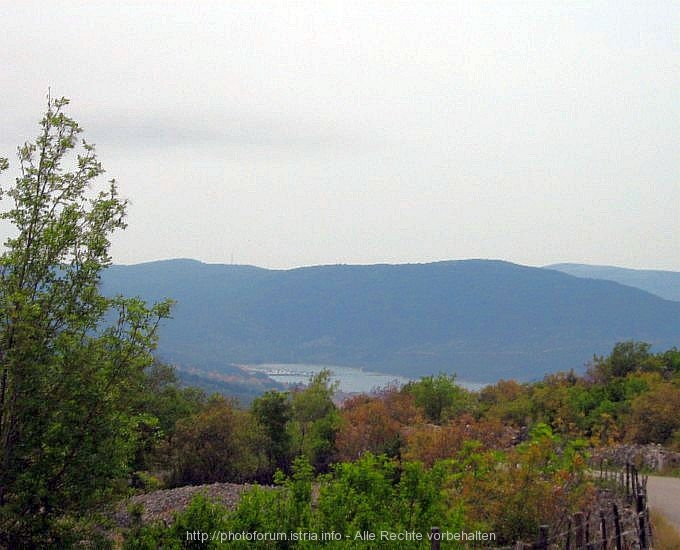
201,517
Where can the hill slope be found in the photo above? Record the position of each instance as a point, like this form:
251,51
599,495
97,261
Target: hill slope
482,319
665,284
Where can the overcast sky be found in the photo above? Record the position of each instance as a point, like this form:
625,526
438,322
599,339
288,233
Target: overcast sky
296,133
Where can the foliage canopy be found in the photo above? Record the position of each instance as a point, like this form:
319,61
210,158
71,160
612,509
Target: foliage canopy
72,361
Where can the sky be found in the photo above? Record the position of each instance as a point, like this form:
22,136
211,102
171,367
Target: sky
285,134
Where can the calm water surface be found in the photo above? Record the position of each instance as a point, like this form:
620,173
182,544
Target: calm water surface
351,379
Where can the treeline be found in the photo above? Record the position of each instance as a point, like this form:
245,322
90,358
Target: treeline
630,395
505,459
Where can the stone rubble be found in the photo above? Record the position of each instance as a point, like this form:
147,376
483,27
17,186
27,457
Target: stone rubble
162,505
648,457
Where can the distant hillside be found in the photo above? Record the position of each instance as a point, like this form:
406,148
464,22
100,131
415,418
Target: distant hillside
481,319
244,386
665,284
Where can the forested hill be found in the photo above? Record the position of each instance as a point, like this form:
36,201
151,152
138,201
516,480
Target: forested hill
480,319
665,284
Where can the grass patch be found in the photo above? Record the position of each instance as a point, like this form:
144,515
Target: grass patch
669,472
665,536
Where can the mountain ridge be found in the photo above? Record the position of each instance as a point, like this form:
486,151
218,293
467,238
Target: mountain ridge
662,283
483,319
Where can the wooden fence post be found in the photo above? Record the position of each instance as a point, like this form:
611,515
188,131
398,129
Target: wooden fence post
617,527
622,483
542,543
640,505
639,502
435,541
603,530
567,543
580,534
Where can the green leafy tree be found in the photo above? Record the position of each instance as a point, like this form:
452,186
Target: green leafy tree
316,420
71,360
163,397
377,493
222,443
273,411
161,402
655,415
507,401
440,397
626,358
671,362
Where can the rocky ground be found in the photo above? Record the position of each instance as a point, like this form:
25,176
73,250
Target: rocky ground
161,505
648,457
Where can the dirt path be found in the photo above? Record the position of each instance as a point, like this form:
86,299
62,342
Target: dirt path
664,496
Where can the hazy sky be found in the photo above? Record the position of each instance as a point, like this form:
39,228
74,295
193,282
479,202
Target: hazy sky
295,133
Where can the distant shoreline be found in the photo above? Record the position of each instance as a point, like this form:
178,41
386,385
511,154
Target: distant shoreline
352,379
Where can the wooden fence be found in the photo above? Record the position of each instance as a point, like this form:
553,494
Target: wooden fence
619,521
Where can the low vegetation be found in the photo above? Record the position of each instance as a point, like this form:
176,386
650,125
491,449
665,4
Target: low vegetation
665,536
504,460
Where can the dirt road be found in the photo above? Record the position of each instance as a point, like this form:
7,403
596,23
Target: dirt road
664,495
